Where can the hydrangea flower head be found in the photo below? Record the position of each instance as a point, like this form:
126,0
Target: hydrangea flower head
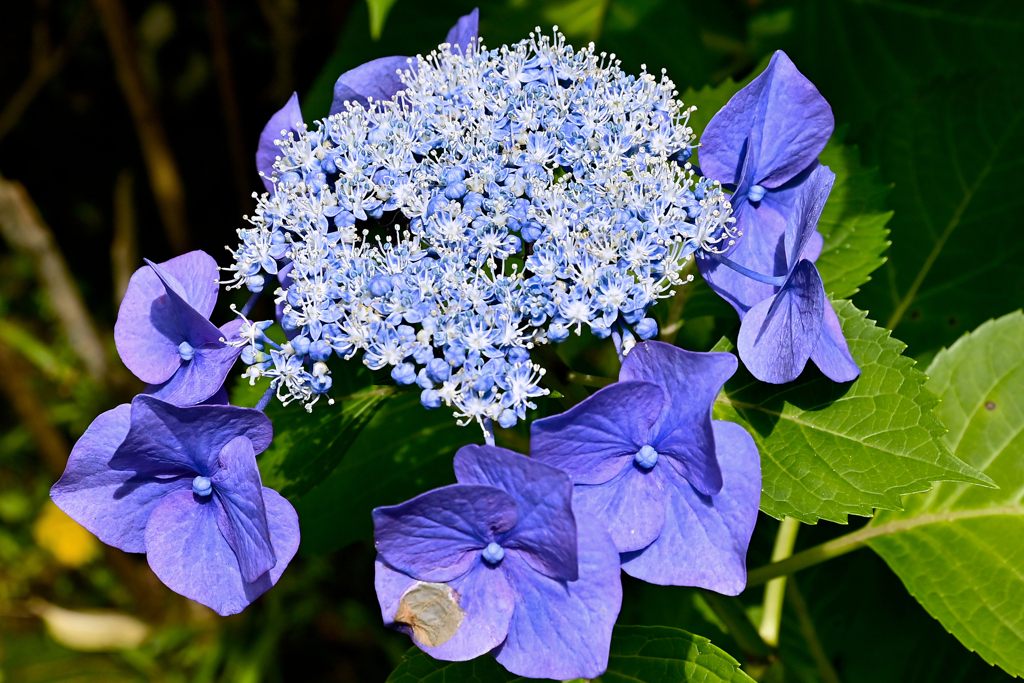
505,198
164,335
678,491
181,485
499,563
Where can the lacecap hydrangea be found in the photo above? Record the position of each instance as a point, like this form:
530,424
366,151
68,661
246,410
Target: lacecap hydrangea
505,198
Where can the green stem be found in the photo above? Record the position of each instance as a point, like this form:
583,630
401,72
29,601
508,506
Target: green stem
796,601
673,320
816,555
771,615
731,612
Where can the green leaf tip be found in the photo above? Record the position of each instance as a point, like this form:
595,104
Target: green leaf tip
379,10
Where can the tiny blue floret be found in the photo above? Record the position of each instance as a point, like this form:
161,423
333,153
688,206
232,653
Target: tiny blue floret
755,193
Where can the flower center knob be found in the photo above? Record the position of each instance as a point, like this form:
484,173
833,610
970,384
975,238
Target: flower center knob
646,457
755,193
494,553
201,486
186,351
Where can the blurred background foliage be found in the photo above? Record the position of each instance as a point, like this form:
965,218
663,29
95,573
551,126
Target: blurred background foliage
128,130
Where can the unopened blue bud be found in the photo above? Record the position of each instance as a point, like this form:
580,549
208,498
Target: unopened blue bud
248,355
301,345
558,333
531,232
438,370
255,283
646,328
755,193
430,399
493,553
404,373
456,191
186,351
646,457
202,486
508,419
320,350
380,285
423,380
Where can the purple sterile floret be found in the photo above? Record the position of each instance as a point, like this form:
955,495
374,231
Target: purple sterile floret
163,333
378,79
463,35
678,491
181,485
507,566
765,142
287,119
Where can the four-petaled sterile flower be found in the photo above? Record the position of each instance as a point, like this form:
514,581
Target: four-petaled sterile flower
164,335
766,142
678,491
499,562
181,485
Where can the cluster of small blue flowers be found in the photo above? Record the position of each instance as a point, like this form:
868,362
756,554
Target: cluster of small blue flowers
504,199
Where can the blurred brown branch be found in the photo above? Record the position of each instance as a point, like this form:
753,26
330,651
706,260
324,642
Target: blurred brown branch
229,102
53,447
23,228
280,17
124,248
46,62
164,177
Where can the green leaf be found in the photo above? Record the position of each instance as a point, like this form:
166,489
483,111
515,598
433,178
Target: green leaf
830,450
869,57
958,548
659,654
872,630
639,654
419,667
308,446
379,10
955,259
403,451
577,19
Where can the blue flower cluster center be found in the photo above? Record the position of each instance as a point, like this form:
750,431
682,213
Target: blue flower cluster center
505,199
